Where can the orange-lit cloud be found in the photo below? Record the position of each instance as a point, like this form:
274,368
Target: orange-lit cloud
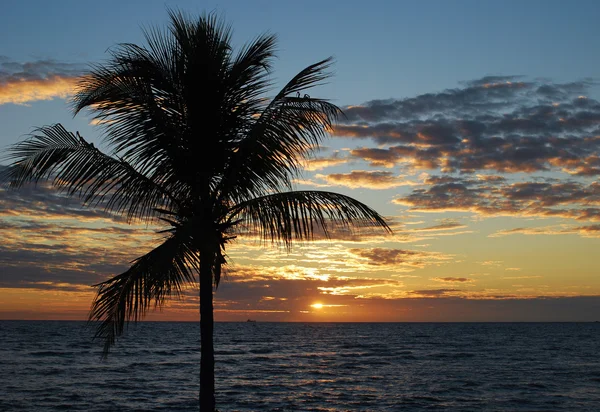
453,279
26,82
592,231
321,163
484,152
27,91
374,179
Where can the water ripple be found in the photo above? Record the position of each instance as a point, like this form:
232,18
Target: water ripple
51,366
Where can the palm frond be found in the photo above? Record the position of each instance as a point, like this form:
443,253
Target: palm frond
79,168
135,101
295,216
162,105
247,76
288,130
309,77
151,279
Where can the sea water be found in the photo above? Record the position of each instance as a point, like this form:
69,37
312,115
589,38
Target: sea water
55,366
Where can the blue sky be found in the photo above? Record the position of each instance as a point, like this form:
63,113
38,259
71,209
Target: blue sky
490,223
384,49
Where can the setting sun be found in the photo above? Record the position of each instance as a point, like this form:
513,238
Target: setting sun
317,305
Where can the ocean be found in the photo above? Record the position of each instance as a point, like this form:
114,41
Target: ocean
55,366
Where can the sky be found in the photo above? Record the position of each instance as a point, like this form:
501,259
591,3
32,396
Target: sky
473,126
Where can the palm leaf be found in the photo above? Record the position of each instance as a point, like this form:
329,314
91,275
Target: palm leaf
79,168
151,279
296,216
136,102
286,132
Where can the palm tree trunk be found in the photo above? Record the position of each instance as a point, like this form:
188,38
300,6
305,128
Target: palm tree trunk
207,353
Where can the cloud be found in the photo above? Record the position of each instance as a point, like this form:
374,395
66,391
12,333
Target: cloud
42,256
453,279
400,257
376,298
499,124
491,263
447,224
589,231
22,83
365,179
545,198
50,241
521,277
337,233
279,287
479,96
320,163
433,292
43,201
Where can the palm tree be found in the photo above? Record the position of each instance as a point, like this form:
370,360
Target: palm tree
195,146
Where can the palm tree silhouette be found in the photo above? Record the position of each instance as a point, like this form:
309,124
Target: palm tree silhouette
195,146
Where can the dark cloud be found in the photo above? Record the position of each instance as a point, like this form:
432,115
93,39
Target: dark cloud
447,224
42,200
289,290
253,289
13,71
399,257
24,82
381,256
453,279
32,255
549,194
590,231
419,158
479,96
433,292
49,241
495,123
539,198
491,80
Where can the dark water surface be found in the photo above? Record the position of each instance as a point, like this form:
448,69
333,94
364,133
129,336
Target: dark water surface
52,366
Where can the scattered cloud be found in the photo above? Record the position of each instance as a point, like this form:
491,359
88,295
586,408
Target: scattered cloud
374,179
591,231
400,257
521,277
501,146
50,241
22,83
545,198
491,263
453,279
446,224
503,126
320,163
433,292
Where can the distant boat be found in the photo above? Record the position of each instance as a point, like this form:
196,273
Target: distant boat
250,320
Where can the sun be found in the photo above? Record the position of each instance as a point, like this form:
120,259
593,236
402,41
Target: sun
317,305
